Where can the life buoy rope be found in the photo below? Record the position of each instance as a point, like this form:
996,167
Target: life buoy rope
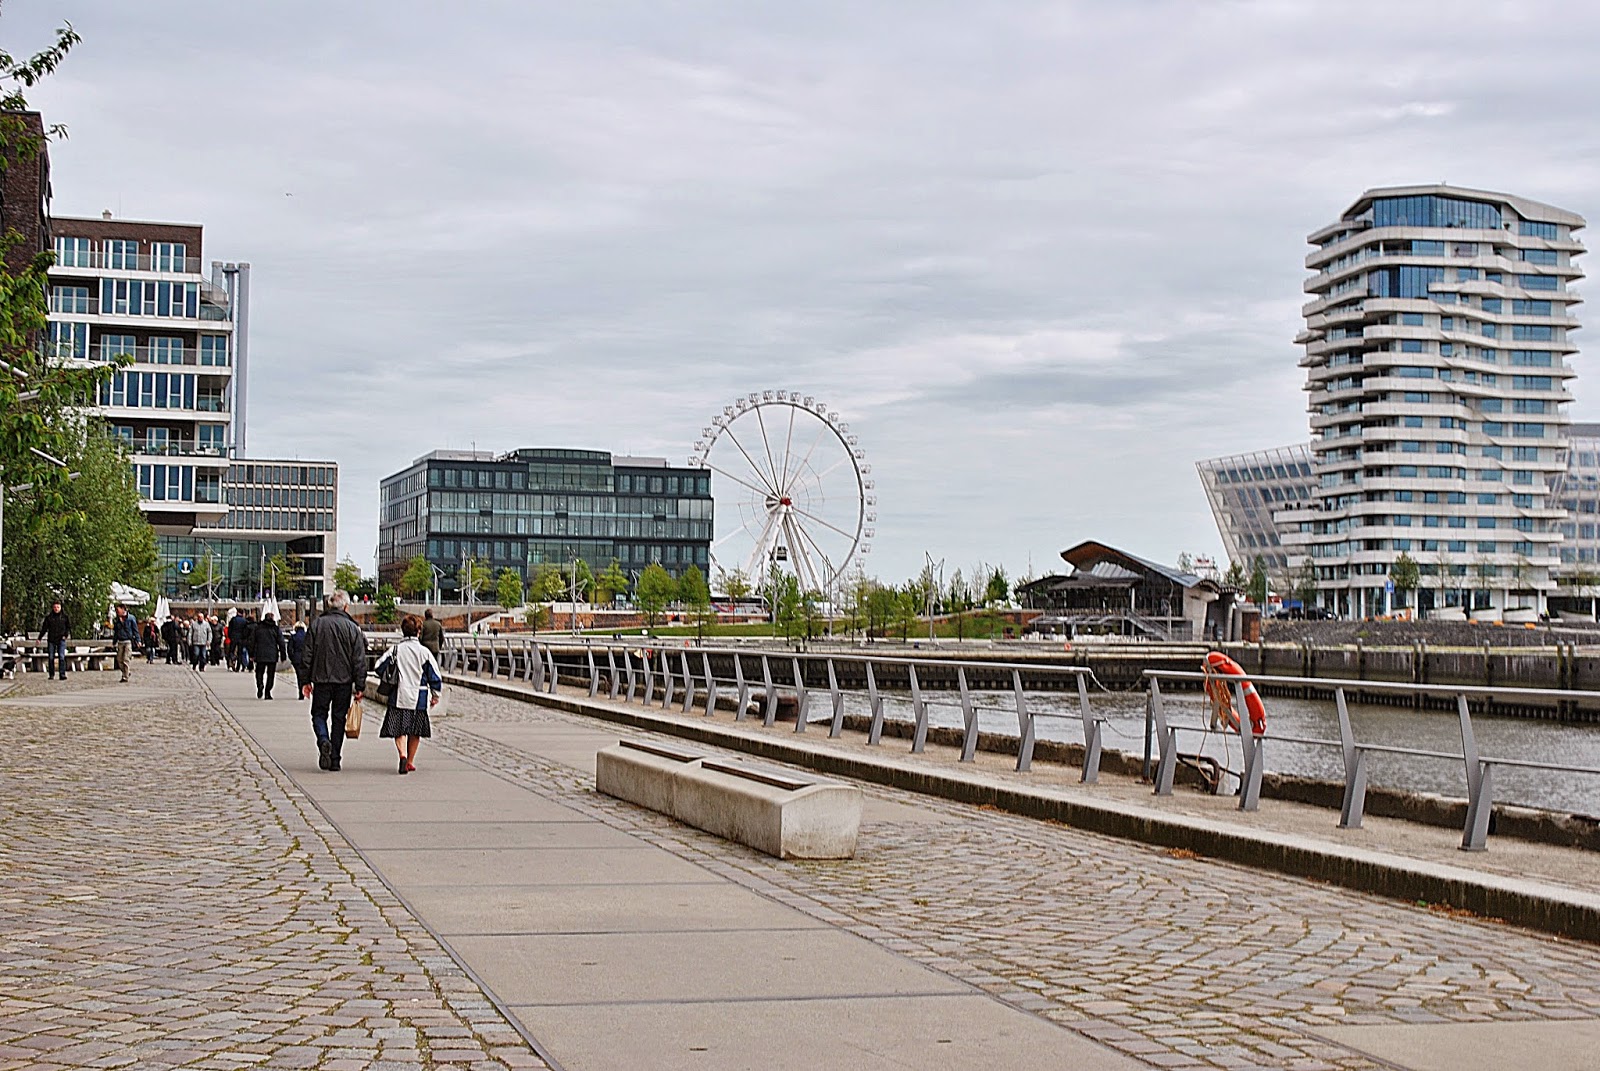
1221,672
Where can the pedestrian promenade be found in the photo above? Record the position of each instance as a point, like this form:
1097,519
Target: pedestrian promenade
195,892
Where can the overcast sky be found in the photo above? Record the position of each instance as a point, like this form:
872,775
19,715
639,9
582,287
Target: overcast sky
1042,257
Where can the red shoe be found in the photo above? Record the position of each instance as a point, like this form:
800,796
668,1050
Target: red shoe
411,767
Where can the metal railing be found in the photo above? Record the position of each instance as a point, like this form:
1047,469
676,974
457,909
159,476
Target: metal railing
681,673
1478,769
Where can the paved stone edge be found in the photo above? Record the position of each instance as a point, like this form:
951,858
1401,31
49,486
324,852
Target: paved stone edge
301,799
1549,908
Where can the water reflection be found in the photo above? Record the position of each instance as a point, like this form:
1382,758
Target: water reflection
1432,730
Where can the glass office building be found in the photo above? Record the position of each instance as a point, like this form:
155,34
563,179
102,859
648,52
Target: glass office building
543,506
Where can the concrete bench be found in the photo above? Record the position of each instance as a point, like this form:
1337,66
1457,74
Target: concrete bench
782,813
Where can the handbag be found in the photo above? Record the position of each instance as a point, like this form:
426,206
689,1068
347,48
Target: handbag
352,721
388,680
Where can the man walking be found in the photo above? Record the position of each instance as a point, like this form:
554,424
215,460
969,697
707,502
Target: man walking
54,630
432,634
199,642
169,636
124,633
334,669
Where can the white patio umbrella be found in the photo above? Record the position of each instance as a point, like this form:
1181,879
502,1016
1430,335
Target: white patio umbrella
126,595
163,610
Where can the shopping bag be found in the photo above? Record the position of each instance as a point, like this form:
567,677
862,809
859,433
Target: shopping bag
352,722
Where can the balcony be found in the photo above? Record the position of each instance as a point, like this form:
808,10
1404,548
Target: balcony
98,260
147,447
188,357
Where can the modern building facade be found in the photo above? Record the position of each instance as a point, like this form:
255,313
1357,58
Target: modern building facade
1246,491
1436,355
1110,590
139,289
532,507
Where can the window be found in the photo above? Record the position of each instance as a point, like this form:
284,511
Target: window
69,339
212,438
1411,422
1489,330
1528,431
122,253
1491,304
1465,275
1538,256
1531,383
1412,372
1524,453
1456,498
214,350
166,350
1413,398
1531,358
1410,345
1539,282
1432,210
1493,428
1533,332
1535,229
1488,500
1528,405
1527,307
69,299
168,256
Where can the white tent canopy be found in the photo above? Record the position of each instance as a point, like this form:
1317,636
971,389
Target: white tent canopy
163,610
125,595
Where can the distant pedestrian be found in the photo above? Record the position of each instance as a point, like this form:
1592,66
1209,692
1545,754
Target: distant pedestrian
406,720
124,633
335,665
199,642
169,636
432,635
238,634
266,647
54,630
216,640
296,643
150,637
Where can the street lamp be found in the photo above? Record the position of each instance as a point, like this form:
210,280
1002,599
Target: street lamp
438,575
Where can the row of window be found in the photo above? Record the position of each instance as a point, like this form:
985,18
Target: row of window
122,254
161,390
177,483
267,520
580,526
295,497
1251,473
546,477
498,502
296,475
209,439
627,555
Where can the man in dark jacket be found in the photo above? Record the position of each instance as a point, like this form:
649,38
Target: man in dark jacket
169,636
266,647
124,633
432,636
296,643
334,664
54,630
237,638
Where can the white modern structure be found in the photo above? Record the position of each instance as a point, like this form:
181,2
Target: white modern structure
1436,346
1246,493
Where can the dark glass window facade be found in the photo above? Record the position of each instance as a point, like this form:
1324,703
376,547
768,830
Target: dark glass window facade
1434,211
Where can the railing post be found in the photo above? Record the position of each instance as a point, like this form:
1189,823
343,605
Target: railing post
688,682
555,672
711,684
536,665
1166,741
800,696
646,671
1091,736
477,654
744,687
836,726
969,718
1355,768
594,673
613,676
1250,781
667,681
875,730
1024,725
770,714
919,708
1475,837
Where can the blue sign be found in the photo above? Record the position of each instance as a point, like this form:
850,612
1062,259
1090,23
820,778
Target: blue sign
186,566
1389,587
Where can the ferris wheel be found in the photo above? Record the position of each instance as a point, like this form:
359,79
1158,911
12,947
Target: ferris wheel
796,483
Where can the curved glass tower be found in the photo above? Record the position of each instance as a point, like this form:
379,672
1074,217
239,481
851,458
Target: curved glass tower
1436,346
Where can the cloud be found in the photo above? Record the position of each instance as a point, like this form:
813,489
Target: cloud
1042,257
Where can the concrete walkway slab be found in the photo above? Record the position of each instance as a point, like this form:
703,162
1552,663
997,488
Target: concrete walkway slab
707,904
1565,1045
639,864
451,835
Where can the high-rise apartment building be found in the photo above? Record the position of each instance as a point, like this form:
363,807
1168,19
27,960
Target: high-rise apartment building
533,507
1247,491
138,289
1436,346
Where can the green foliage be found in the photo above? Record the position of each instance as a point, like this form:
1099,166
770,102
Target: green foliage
998,589
1405,573
787,611
655,591
508,589
346,575
1305,582
1234,578
472,576
1258,581
283,573
906,605
695,595
613,581
735,585
538,616
385,608
73,544
547,584
417,581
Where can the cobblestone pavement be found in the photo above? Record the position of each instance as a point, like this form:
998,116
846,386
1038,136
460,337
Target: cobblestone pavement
1179,961
167,899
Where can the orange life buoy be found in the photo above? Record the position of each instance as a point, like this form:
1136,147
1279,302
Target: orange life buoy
1221,671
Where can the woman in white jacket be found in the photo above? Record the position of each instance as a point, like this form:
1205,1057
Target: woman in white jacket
406,720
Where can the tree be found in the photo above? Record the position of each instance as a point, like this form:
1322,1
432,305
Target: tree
417,581
612,582
1234,578
538,616
346,576
654,591
696,598
1185,562
1305,582
998,589
1406,576
508,588
784,592
282,573
72,545
385,608
1258,582
905,610
735,585
547,584
472,577
959,600
203,579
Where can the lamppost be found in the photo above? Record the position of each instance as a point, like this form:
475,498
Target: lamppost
438,575
933,587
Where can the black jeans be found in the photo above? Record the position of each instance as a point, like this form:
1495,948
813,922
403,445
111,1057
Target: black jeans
266,672
329,699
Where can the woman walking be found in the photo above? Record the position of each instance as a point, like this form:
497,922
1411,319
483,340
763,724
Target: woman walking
406,720
266,649
151,636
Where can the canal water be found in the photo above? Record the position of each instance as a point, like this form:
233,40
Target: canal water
1429,730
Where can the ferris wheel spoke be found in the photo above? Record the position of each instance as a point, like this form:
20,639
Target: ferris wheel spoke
755,468
826,524
766,444
764,492
762,542
804,461
843,460
788,447
797,556
801,538
809,538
